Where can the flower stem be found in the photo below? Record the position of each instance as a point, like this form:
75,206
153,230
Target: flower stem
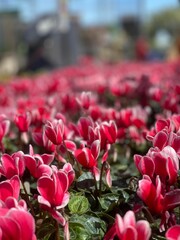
95,184
57,231
100,181
148,215
27,199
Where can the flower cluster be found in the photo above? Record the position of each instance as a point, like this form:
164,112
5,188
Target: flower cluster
67,143
159,186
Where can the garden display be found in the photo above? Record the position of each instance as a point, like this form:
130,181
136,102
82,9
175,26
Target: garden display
91,152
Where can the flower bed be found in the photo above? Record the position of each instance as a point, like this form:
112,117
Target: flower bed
91,152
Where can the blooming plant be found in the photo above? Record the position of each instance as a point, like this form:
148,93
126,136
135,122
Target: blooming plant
91,153
128,228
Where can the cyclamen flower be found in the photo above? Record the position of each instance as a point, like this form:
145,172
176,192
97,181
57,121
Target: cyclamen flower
160,125
135,116
151,194
84,100
38,164
68,169
108,130
87,157
108,175
127,228
41,139
15,222
135,135
156,93
54,131
10,188
23,121
84,125
69,103
163,139
11,202
173,233
54,191
12,165
105,132
176,121
4,126
164,163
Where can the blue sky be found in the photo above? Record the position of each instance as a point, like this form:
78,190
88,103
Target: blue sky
90,11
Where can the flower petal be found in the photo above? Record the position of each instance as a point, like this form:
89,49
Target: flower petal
25,221
173,233
143,230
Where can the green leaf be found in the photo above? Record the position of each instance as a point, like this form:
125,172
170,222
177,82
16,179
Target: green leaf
85,176
94,227
78,232
78,204
9,145
85,181
108,201
33,185
125,195
47,237
45,231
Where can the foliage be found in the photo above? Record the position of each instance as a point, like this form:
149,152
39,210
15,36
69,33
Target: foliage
159,22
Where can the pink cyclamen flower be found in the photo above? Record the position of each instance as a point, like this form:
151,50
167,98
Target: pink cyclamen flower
164,125
173,233
151,194
163,139
10,188
53,189
108,133
84,100
127,228
54,193
164,163
84,125
68,169
108,174
4,126
41,139
54,131
172,199
135,134
38,165
17,224
11,202
12,165
23,121
176,121
87,157
156,93
167,164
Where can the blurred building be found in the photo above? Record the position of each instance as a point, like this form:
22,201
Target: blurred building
49,46
9,30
